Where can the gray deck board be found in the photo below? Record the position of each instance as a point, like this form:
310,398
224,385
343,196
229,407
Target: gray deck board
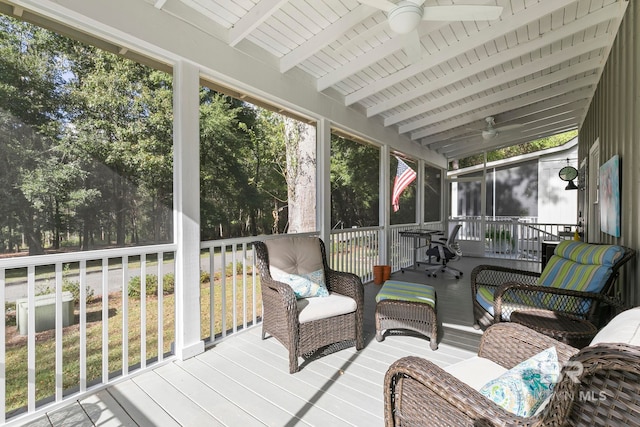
140,406
105,411
245,381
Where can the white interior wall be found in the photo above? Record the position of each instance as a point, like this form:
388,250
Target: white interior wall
555,204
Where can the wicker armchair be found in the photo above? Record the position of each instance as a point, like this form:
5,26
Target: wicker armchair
282,310
511,289
606,391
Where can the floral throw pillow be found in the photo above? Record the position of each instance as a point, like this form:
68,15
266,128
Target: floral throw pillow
522,389
304,285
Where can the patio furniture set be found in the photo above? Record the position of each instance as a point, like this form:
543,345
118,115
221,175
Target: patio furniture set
531,321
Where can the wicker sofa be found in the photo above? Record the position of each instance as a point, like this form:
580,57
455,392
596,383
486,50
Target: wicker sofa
598,385
578,277
306,324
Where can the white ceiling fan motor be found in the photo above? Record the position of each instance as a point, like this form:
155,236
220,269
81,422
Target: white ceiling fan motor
490,132
405,17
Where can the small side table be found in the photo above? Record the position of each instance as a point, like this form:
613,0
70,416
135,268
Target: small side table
571,330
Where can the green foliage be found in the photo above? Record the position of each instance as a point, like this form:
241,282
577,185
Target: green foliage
68,285
151,285
498,235
355,178
517,150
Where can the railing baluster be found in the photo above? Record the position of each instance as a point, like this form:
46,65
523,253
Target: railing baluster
83,326
234,293
125,315
244,286
223,289
255,287
31,338
3,354
143,311
212,299
105,320
58,328
160,256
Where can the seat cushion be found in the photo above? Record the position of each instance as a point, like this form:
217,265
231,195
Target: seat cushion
407,291
310,309
624,328
297,261
510,302
476,371
580,266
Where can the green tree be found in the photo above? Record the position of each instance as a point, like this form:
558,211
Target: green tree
30,105
355,183
516,150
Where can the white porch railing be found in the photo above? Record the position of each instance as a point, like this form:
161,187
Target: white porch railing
516,238
114,337
401,250
355,250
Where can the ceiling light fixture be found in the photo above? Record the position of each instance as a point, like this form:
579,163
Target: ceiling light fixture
405,17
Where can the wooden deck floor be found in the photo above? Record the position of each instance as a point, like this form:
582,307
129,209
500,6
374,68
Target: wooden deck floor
244,381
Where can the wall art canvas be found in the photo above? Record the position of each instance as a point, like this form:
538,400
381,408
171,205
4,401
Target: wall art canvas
610,196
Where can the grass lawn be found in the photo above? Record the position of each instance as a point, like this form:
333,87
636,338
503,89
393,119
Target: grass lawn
16,345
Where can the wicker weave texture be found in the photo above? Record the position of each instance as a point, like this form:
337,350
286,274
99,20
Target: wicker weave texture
413,316
510,286
280,312
599,386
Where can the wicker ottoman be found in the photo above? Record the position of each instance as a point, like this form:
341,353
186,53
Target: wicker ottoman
405,305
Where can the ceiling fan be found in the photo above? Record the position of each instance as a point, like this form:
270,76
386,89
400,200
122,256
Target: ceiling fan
491,131
404,17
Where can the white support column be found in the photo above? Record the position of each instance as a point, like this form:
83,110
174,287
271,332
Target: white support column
323,186
186,213
420,192
385,204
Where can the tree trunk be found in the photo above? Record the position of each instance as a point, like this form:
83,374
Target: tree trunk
300,141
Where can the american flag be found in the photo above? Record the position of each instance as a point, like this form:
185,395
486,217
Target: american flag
404,176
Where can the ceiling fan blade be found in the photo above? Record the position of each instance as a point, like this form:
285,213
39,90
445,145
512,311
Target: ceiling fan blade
412,46
461,12
509,127
379,4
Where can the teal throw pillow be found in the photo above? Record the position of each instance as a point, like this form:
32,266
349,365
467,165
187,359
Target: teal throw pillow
522,389
304,285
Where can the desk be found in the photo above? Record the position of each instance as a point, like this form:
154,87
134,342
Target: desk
421,239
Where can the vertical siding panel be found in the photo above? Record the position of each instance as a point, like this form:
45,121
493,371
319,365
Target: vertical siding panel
614,116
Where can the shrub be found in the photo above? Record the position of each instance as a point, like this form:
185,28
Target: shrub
151,285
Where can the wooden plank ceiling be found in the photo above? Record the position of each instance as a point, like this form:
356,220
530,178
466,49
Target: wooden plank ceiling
534,69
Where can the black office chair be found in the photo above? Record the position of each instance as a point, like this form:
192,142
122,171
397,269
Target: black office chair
445,250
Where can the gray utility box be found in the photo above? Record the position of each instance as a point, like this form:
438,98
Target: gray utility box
45,312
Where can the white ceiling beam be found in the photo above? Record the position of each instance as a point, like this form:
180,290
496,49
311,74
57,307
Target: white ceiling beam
159,4
546,39
376,54
516,115
533,122
252,20
504,95
201,9
325,37
493,110
526,120
486,35
362,37
18,11
471,149
365,60
524,70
